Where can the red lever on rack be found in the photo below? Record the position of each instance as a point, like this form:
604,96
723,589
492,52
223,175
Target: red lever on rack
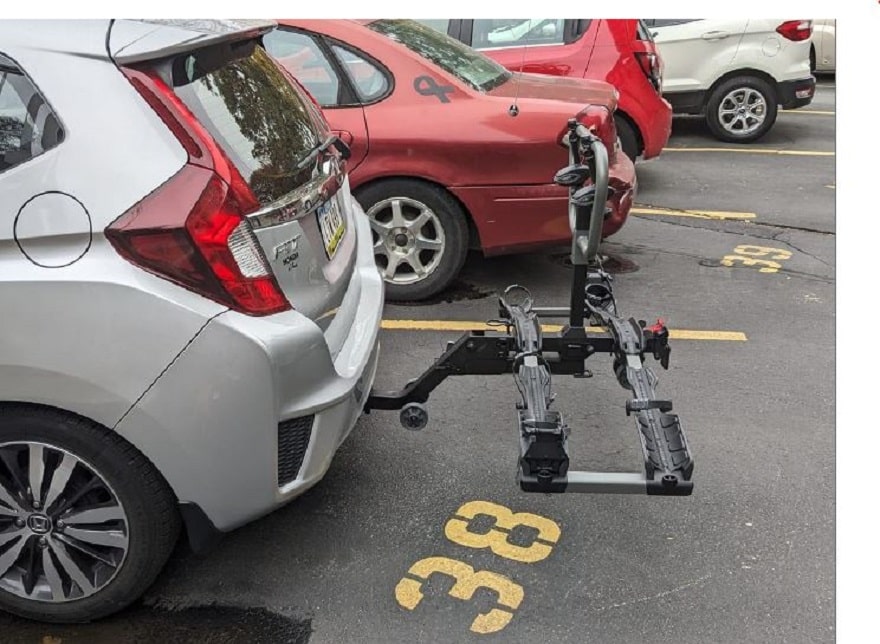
658,327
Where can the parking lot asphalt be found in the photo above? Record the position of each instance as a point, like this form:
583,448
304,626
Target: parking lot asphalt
748,558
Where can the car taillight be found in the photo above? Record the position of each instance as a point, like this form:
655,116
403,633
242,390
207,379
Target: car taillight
192,229
650,64
796,30
600,121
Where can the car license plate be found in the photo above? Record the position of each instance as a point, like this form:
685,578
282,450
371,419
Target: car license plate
332,226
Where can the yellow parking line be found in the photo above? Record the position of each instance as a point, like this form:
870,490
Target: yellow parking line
805,153
698,214
745,150
730,336
815,112
466,325
437,325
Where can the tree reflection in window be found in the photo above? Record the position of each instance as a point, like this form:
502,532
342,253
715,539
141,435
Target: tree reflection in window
257,117
466,64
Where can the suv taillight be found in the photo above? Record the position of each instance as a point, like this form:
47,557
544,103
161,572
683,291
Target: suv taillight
192,229
796,30
650,64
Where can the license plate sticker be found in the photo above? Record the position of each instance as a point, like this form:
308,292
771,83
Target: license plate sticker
332,226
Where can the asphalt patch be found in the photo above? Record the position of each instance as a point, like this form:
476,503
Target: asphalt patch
192,625
614,264
456,292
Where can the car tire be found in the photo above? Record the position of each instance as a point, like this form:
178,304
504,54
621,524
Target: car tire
751,97
812,59
94,564
629,140
420,236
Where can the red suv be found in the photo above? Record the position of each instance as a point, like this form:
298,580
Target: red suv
621,52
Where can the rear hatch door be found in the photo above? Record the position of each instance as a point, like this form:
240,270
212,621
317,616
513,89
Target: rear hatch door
274,136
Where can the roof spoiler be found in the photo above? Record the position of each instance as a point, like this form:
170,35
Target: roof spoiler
133,41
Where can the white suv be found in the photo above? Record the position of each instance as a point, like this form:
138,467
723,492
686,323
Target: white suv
737,72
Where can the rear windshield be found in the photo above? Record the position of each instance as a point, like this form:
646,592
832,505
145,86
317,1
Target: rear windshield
245,101
470,66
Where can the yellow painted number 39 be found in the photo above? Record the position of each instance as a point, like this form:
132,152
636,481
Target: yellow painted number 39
746,254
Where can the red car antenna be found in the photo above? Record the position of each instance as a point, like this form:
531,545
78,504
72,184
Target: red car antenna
513,110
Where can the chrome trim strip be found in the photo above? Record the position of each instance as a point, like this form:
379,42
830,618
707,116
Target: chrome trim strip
301,201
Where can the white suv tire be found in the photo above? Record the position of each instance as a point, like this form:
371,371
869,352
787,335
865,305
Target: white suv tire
742,109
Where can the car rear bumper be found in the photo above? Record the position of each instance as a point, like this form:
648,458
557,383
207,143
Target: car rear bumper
251,413
652,116
511,219
658,129
791,94
797,93
691,102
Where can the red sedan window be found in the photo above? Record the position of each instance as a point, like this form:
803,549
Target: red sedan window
369,80
305,60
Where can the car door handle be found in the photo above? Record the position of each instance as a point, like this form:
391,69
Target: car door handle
346,136
714,35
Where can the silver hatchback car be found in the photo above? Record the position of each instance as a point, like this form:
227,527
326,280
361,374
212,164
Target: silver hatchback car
189,305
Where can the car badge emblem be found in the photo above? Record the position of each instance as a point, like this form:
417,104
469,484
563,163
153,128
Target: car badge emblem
287,252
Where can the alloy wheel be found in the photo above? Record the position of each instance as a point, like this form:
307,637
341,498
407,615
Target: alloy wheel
63,531
742,111
408,239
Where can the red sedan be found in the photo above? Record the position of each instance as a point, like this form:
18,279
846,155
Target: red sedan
449,149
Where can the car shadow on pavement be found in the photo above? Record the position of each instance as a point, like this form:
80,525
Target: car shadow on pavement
193,625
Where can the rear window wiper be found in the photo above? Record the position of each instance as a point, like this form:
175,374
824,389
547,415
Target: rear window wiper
331,141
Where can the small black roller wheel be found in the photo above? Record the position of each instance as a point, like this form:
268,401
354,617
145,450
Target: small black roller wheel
414,416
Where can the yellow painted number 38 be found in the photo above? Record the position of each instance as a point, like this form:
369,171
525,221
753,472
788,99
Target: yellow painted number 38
467,580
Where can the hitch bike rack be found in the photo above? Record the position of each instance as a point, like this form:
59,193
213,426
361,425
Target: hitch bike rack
531,355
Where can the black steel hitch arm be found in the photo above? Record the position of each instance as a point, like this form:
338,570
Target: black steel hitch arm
520,347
